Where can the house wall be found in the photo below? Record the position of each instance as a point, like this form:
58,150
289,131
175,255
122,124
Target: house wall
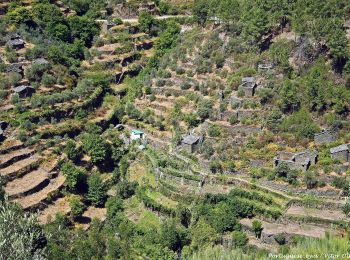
248,92
342,156
135,137
188,148
292,165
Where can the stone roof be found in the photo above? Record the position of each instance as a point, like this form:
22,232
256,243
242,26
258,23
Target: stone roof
21,88
15,42
14,36
323,132
41,61
340,148
190,139
14,67
248,80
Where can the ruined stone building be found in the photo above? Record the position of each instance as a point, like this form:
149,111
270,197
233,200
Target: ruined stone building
324,137
297,161
15,42
248,85
340,153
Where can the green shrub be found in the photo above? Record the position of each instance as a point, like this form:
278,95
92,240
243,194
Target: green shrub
214,131
97,190
76,206
257,228
239,239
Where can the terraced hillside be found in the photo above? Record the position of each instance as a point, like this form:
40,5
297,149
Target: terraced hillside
173,129
54,105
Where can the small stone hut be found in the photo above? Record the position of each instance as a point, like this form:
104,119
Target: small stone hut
24,91
297,161
191,143
340,153
248,85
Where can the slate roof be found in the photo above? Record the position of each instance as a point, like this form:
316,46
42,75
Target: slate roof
14,67
40,61
21,88
340,148
190,139
15,42
324,131
14,36
248,80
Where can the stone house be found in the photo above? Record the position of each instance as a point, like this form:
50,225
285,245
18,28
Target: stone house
15,42
297,161
24,91
340,153
324,137
191,143
248,85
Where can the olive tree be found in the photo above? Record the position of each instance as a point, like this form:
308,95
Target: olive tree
21,236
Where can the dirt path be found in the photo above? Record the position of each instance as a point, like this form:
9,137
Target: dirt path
163,17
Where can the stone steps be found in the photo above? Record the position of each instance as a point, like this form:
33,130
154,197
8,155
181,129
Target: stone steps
39,199
15,156
28,184
19,168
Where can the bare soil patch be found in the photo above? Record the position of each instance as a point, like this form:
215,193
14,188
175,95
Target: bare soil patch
38,197
28,183
59,206
334,215
290,228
